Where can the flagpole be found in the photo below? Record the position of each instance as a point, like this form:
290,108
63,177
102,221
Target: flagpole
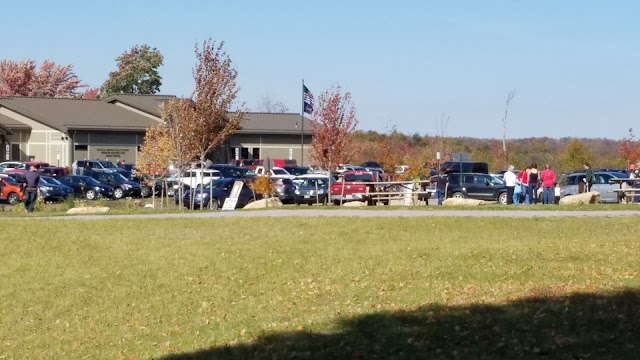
302,128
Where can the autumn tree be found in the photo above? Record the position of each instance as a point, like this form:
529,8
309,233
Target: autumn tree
333,124
269,105
202,123
576,155
24,78
629,148
91,93
155,155
137,72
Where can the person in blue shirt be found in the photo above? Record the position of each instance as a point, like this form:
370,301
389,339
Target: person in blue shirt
32,181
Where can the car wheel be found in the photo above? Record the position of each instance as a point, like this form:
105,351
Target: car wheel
502,198
90,194
145,192
214,204
336,202
118,193
457,195
13,198
297,203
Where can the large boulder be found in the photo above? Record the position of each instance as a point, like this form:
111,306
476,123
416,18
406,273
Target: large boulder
592,197
463,202
89,210
354,204
264,203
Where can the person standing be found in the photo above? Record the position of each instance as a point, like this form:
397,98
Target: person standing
510,180
87,168
32,181
523,176
441,187
548,178
588,179
533,183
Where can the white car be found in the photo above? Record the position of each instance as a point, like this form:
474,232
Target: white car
8,165
195,177
276,172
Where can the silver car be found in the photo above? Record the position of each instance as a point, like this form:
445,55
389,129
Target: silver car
601,184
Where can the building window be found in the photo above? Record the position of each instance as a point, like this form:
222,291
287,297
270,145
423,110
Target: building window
244,153
255,153
81,147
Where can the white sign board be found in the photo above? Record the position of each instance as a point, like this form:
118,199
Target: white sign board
7,152
237,153
231,202
290,154
58,152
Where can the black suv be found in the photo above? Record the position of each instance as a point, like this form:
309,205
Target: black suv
121,186
477,186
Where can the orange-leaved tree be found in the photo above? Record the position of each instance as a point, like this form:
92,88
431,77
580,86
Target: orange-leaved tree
333,124
23,78
155,155
629,148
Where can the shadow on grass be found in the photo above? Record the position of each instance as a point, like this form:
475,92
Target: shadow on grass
578,326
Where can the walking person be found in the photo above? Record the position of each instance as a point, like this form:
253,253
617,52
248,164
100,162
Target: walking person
510,180
32,181
548,178
441,186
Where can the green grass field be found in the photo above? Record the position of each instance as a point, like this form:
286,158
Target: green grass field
347,288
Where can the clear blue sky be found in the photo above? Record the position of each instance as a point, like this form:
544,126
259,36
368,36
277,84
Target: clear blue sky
574,64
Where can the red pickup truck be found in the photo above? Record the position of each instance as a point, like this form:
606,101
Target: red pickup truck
355,186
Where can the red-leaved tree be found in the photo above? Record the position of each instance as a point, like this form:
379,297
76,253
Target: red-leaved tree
23,78
91,93
333,123
629,148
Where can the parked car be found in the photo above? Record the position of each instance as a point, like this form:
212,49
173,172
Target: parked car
8,165
194,177
18,171
571,185
356,186
477,186
233,171
276,172
297,170
312,189
67,190
122,187
101,166
50,192
214,194
11,191
285,190
87,187
53,171
464,167
148,186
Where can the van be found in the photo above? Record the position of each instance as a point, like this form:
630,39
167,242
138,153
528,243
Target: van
477,167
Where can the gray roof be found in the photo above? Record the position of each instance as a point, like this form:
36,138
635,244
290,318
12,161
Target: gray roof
149,104
274,123
66,114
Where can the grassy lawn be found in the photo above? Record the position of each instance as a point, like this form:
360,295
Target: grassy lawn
321,288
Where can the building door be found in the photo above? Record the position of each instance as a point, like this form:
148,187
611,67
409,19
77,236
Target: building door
15,152
255,153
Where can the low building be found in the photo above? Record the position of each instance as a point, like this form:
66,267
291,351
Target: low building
62,130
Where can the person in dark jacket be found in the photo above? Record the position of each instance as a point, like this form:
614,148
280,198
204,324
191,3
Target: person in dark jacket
441,186
32,181
588,179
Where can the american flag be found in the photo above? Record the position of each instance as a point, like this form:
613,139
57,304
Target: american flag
307,97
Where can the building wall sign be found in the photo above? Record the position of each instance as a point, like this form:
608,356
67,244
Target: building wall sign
108,152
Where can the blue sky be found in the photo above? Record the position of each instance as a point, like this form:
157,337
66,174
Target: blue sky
574,64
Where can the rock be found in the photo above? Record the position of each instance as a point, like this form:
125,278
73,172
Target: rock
464,202
354,204
592,197
89,210
148,206
264,203
138,203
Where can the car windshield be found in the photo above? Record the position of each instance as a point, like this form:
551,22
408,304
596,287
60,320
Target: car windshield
314,181
50,181
358,177
280,172
90,181
108,165
217,184
119,177
10,181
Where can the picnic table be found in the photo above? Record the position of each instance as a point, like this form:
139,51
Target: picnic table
630,192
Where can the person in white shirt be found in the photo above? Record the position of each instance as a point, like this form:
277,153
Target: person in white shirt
510,180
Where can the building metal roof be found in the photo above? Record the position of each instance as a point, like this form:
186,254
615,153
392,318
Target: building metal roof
66,114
